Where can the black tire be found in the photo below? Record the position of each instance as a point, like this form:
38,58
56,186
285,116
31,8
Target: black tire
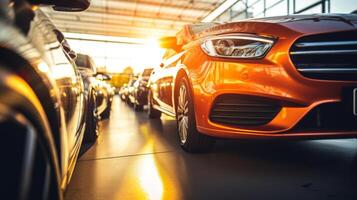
92,122
27,144
190,139
27,178
138,107
152,112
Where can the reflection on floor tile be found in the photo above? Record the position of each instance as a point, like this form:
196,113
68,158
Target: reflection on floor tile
139,158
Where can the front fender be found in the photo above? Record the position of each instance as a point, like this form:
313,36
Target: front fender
20,105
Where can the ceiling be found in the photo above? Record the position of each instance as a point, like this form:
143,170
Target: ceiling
134,18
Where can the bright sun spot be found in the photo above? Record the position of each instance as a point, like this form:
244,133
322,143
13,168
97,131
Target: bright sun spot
115,56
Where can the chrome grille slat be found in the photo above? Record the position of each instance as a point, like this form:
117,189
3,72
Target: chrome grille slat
328,70
241,104
238,117
328,56
324,52
322,44
243,110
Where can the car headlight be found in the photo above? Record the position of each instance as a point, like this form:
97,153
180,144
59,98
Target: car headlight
237,46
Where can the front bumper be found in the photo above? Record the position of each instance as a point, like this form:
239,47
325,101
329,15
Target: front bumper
275,78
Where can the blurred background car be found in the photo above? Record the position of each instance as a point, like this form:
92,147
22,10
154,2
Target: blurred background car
95,94
129,95
140,92
42,105
104,80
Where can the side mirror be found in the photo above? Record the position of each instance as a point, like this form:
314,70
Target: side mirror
169,43
64,5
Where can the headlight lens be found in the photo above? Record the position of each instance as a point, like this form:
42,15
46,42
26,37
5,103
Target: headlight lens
237,46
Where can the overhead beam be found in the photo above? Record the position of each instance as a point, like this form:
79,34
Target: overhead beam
192,17
101,32
116,16
112,30
192,5
219,10
98,21
102,38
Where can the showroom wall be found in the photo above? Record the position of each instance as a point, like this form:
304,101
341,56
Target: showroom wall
265,8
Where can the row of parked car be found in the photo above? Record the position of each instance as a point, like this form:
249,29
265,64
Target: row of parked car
136,90
51,100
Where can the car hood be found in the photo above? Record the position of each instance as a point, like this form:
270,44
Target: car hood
286,25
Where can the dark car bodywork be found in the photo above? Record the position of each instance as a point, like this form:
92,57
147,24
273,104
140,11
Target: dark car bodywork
104,82
139,96
93,87
42,105
129,91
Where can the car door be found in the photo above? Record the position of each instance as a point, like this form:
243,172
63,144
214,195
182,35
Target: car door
165,82
67,81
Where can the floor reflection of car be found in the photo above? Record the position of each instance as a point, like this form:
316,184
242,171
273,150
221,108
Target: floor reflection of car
94,93
110,90
139,95
41,103
279,77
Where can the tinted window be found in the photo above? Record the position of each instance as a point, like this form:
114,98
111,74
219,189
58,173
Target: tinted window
85,61
82,61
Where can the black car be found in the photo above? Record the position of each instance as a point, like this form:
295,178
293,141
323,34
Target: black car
95,94
42,105
139,96
129,92
104,79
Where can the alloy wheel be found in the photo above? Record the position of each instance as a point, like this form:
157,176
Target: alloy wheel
182,114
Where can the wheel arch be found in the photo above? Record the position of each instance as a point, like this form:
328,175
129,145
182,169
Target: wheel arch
182,72
22,106
18,65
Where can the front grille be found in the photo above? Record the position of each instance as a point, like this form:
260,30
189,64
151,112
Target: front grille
328,117
331,56
242,110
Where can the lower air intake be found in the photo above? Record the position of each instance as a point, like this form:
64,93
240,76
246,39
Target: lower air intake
243,110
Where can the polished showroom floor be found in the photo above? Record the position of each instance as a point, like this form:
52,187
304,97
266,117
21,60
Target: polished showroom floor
138,158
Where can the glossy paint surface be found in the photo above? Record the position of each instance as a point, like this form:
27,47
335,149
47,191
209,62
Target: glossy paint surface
70,89
46,58
273,76
139,158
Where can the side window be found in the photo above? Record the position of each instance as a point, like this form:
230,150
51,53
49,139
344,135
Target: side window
62,68
92,65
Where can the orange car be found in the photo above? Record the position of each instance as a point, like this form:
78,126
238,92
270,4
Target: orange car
279,77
